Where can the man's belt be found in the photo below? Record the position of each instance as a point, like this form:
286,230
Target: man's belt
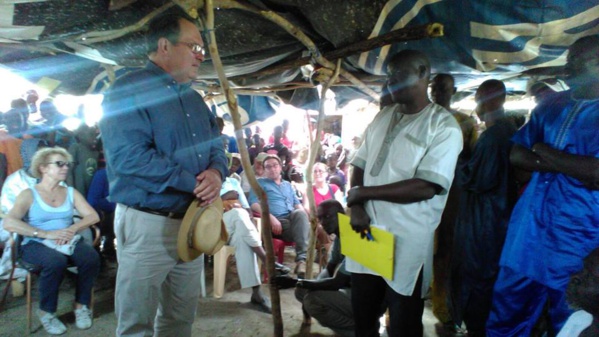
170,215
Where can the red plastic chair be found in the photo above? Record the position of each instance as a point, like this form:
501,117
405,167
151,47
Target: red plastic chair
279,248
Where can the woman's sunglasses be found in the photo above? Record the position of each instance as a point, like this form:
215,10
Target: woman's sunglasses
61,163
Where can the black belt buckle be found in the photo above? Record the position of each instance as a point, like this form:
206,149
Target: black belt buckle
170,215
173,215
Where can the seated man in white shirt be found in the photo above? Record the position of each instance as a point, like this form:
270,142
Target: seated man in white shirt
244,236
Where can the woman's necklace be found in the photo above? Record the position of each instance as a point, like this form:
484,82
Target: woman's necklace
49,195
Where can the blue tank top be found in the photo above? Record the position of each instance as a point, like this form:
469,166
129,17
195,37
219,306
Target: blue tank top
49,218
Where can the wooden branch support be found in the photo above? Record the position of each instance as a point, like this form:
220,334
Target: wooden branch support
298,34
102,36
212,94
270,91
314,151
404,34
110,73
245,161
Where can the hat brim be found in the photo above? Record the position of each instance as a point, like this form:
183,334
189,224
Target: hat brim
201,231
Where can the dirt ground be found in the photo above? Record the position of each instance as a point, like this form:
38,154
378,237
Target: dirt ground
231,315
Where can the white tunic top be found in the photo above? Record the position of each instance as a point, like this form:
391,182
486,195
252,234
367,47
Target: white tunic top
424,145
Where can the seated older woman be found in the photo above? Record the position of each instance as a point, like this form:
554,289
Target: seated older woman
44,216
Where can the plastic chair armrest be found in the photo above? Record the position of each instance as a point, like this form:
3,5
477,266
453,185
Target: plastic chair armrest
97,235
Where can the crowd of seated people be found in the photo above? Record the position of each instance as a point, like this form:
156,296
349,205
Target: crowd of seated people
23,130
26,123
329,179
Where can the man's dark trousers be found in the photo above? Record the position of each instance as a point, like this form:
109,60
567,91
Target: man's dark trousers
369,291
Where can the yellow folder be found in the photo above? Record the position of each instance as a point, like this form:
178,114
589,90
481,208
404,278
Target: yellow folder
375,255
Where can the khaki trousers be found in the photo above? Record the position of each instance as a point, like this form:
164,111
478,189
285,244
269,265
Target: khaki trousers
243,235
156,293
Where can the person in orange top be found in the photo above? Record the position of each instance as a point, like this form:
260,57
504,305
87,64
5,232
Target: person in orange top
11,148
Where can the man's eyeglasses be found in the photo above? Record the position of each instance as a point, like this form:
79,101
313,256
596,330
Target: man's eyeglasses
270,167
319,171
61,163
195,48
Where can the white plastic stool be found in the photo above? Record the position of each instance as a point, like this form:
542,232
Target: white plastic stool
220,269
220,265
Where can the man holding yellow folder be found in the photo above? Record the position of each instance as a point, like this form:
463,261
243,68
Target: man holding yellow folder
402,173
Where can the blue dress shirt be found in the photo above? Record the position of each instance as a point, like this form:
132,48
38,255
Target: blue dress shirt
158,136
281,197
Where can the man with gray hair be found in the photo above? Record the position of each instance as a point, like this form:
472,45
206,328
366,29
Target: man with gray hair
163,152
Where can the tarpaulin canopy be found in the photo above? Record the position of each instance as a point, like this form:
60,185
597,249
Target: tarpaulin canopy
85,41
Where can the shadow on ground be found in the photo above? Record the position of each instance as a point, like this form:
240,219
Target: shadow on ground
231,315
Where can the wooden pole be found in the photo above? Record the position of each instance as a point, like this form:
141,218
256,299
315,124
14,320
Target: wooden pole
314,151
245,161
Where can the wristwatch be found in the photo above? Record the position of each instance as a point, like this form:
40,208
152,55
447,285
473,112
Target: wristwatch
35,233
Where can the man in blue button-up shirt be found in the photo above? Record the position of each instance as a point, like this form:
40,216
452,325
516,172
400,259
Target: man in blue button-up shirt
163,150
288,219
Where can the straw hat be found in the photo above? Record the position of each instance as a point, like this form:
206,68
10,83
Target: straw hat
202,231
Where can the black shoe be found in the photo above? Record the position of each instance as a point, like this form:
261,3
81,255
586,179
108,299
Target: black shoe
282,269
283,281
262,304
109,254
